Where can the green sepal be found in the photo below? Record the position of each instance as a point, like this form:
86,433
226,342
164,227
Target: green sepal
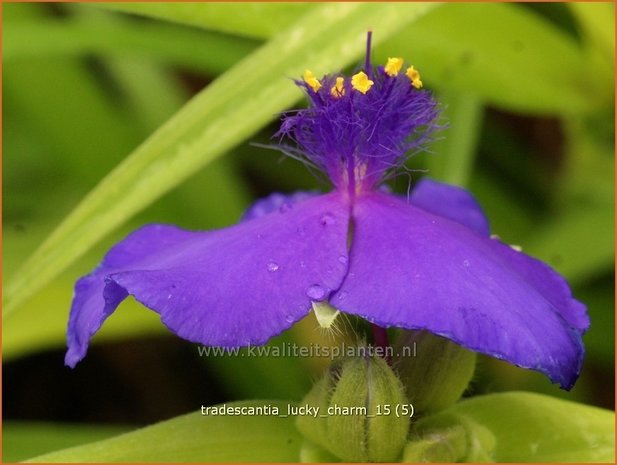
377,434
435,372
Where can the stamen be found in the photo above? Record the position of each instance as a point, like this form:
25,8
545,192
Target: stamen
361,82
367,61
393,66
414,76
338,89
311,80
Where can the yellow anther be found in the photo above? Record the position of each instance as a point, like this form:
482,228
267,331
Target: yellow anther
393,66
414,76
338,89
311,80
361,82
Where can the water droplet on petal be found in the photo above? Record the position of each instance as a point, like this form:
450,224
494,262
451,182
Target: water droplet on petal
285,207
302,265
343,259
342,295
289,319
316,292
272,267
327,219
465,263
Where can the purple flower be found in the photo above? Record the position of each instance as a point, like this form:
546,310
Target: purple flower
423,262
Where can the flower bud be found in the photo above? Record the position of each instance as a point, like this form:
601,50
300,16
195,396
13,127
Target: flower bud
447,438
363,412
435,372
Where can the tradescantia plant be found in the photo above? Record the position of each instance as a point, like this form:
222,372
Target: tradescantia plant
420,269
426,262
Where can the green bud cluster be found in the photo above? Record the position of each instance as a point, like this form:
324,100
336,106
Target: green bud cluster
358,400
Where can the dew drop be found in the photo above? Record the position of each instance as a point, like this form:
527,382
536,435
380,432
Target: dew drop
327,219
316,292
289,319
465,263
302,265
272,267
343,259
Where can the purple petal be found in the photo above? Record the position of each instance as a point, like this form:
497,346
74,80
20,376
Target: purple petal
451,202
410,268
231,287
276,201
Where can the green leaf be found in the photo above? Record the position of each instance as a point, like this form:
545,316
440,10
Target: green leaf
22,440
159,42
451,159
258,19
510,57
579,242
597,21
221,116
530,427
519,67
198,438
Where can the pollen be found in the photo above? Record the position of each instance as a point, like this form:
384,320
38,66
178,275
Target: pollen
361,82
311,80
414,76
338,89
393,66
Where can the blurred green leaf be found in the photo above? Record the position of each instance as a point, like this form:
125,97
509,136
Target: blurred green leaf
505,55
38,89
597,22
535,428
511,57
579,242
259,376
452,156
252,19
198,438
599,296
225,113
21,440
158,42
